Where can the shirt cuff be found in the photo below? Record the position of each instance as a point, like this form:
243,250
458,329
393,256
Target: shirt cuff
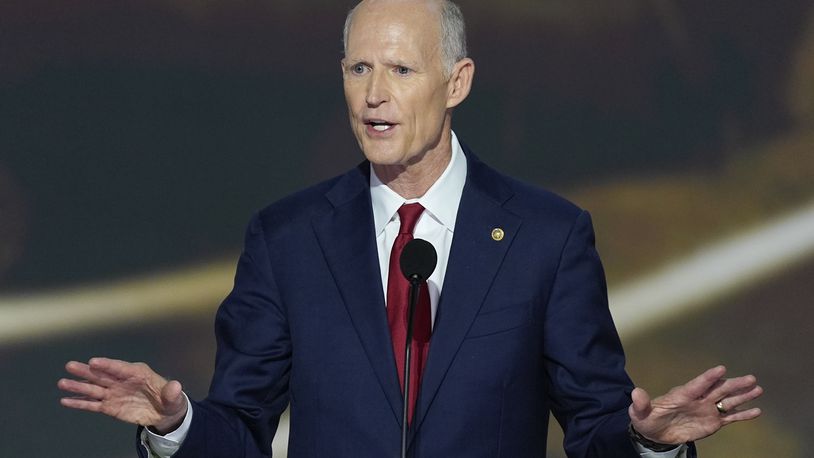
678,452
165,446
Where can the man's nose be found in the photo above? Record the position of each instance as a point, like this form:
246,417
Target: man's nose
378,91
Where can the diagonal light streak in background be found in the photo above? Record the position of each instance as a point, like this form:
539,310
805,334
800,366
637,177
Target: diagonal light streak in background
30,317
713,271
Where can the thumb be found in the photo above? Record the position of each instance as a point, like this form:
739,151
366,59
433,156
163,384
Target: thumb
172,398
640,408
174,408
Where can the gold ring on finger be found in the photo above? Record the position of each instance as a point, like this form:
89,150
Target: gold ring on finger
720,406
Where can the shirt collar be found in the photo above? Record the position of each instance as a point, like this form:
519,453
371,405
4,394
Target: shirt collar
440,201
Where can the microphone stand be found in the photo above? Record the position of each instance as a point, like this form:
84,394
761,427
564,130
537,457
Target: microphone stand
417,261
415,285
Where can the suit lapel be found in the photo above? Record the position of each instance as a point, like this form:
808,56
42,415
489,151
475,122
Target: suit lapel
474,260
348,242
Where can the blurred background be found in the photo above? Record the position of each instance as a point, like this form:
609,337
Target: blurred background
137,138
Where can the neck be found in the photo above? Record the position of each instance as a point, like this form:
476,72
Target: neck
412,181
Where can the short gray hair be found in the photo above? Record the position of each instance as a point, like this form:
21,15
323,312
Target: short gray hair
453,34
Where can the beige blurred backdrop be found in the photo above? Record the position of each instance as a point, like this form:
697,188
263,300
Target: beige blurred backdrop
137,138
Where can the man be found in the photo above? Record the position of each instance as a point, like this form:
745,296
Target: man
517,305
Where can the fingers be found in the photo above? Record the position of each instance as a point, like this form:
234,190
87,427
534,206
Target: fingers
102,371
86,389
107,372
732,402
116,368
748,414
90,388
82,404
83,371
701,385
89,398
97,377
733,387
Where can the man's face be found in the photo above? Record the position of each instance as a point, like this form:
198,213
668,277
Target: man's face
395,87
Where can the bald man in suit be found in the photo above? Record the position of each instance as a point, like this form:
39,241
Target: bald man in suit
518,323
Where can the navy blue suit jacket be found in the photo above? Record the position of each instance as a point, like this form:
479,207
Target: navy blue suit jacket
522,328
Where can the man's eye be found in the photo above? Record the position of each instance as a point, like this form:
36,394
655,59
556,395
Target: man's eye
358,69
402,71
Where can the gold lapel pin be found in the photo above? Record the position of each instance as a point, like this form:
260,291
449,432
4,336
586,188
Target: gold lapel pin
498,234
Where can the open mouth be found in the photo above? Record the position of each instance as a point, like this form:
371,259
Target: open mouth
380,126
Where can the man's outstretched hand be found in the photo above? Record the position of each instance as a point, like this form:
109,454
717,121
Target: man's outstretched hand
689,413
130,392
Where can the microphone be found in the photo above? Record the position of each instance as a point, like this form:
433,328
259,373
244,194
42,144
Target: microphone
417,262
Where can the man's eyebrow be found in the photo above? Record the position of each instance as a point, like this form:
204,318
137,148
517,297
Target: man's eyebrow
349,61
400,63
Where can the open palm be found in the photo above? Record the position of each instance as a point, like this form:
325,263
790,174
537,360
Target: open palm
689,413
131,392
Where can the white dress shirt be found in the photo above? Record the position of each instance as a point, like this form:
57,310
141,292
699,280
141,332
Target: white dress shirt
436,225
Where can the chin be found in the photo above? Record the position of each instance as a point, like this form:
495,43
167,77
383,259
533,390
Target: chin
381,154
382,158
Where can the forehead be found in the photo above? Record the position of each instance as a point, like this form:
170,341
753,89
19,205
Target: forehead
395,26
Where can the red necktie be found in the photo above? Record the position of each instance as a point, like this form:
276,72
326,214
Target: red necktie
398,289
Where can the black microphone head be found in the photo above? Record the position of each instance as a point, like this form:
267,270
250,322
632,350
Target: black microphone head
418,260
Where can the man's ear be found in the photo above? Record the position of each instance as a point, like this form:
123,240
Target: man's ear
342,67
460,82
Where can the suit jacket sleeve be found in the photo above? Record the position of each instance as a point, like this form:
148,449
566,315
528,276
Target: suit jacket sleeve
588,386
